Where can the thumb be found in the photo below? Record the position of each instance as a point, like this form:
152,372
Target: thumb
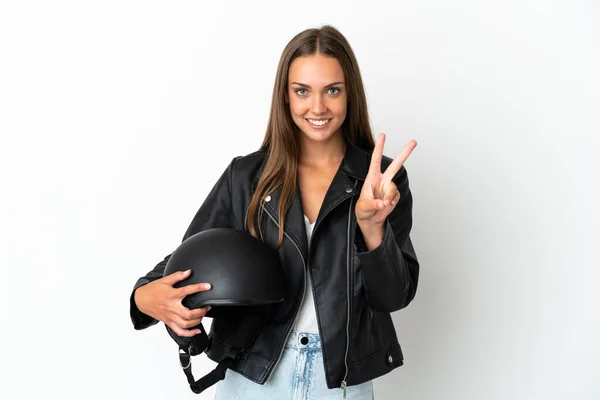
176,277
367,207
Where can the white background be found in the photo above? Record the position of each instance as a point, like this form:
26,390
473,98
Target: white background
117,117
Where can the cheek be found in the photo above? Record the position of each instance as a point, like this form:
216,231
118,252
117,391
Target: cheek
339,107
298,107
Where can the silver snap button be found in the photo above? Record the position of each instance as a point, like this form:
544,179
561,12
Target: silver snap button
390,359
348,190
268,198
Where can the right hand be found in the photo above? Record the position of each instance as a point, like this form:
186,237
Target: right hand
160,300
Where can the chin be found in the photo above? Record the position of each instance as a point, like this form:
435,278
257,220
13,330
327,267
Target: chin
318,136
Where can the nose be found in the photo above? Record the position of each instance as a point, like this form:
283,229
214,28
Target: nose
318,106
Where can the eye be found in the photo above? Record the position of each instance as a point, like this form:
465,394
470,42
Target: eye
301,91
333,91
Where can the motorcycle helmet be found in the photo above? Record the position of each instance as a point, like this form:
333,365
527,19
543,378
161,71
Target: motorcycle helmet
246,279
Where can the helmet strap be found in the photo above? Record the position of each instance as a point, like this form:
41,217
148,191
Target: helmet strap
201,340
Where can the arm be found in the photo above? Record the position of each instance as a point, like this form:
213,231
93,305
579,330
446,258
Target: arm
391,270
215,212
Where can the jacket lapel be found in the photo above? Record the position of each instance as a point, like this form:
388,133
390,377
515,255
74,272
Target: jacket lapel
294,220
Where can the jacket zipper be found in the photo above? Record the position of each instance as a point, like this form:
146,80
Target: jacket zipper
343,384
303,293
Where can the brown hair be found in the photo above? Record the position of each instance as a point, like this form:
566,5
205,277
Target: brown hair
282,138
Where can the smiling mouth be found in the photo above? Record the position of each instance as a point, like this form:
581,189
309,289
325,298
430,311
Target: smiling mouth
318,122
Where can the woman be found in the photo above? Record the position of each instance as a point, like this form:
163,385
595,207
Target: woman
339,213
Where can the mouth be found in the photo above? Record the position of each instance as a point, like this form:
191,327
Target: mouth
318,123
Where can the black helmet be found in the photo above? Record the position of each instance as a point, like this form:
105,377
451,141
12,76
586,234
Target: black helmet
246,278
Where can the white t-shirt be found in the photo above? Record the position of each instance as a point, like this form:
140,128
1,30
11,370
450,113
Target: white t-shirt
307,316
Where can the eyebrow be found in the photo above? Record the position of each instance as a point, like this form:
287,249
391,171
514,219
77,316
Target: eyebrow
307,86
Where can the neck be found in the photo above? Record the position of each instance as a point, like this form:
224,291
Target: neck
319,153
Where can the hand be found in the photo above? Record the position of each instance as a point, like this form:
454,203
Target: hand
379,194
160,300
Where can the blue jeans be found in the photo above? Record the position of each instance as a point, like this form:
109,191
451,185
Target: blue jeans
300,375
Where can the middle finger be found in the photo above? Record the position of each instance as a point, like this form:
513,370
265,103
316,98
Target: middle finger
195,313
397,163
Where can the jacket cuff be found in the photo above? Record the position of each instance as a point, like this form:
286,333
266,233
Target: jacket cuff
138,318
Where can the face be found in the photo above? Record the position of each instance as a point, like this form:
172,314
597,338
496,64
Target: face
317,96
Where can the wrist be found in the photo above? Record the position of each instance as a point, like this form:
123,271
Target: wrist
370,228
372,234
138,298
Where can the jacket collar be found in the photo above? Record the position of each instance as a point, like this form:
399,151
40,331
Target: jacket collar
346,183
356,162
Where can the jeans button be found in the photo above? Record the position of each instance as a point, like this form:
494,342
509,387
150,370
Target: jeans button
304,340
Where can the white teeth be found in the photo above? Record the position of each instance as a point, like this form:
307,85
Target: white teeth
318,123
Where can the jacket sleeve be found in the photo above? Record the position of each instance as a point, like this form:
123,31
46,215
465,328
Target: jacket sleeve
391,270
215,212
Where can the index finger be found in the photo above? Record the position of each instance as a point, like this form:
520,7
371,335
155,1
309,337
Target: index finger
194,288
375,166
397,163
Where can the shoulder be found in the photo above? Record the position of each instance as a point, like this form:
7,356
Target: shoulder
245,168
250,159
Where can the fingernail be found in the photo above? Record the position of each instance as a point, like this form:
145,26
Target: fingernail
207,286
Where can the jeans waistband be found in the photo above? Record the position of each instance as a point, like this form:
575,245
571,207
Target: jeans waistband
304,340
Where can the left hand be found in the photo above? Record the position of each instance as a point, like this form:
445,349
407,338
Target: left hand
379,194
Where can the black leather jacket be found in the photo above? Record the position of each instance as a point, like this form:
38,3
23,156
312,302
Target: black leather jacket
355,290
